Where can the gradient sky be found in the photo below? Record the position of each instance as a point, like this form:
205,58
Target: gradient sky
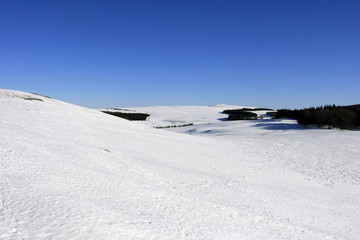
289,53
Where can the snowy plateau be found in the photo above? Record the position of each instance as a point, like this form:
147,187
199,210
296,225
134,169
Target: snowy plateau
69,172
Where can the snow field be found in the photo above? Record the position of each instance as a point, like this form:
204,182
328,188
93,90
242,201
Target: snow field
68,172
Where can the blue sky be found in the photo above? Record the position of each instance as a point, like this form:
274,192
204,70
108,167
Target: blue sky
139,53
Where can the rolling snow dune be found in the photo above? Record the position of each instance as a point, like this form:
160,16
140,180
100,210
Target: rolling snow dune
68,172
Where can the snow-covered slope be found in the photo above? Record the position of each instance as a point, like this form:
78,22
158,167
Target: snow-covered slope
68,172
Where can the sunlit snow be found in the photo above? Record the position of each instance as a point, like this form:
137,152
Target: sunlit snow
68,172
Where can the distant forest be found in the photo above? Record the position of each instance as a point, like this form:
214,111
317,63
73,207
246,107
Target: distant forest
129,116
343,117
242,116
331,116
236,111
243,113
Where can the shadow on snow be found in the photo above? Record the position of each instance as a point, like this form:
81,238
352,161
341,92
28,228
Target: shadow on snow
223,119
277,125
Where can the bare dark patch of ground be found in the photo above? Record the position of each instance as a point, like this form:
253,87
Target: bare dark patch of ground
30,98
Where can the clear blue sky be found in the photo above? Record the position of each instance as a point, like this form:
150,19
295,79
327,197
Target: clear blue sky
289,53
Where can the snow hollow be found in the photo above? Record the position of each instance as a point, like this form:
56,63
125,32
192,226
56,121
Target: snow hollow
68,172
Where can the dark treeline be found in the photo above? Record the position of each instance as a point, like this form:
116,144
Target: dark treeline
272,114
344,117
242,116
236,111
129,116
287,113
173,126
357,106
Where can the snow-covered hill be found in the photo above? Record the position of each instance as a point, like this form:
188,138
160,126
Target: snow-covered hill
67,172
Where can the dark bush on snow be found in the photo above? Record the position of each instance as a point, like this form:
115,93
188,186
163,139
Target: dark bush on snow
129,116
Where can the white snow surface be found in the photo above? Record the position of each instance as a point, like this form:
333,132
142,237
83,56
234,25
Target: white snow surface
68,172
